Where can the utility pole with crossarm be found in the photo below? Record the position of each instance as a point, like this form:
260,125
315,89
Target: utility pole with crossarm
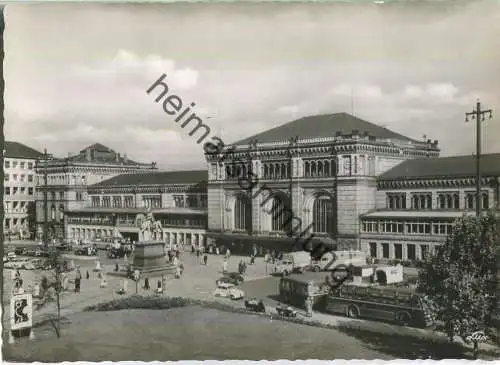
479,115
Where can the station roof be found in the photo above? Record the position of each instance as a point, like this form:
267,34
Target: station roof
325,125
444,167
19,150
186,177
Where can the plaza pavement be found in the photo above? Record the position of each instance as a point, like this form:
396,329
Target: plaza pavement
197,282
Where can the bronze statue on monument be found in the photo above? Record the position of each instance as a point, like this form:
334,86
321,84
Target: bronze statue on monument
149,255
149,228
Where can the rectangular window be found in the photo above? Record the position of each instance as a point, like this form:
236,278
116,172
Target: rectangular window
385,250
22,165
179,201
14,164
96,201
79,196
6,177
61,195
106,202
398,251
129,201
373,249
7,164
412,254
30,165
30,191
30,178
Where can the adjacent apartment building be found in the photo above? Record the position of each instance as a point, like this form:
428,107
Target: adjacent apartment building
68,178
19,189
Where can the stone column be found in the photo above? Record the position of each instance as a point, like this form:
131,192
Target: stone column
392,251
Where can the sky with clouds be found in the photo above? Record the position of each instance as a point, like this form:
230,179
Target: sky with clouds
76,74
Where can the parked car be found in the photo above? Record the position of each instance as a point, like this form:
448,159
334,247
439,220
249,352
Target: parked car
86,251
19,251
286,311
64,246
11,256
231,278
255,306
41,253
228,290
116,253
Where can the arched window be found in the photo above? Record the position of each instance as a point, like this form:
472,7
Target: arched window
334,167
277,170
327,168
243,213
313,169
266,171
320,169
283,171
280,215
61,212
323,215
415,202
271,171
429,202
449,204
289,169
307,169
442,201
456,201
485,201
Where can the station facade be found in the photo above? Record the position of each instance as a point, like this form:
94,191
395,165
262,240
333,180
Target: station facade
316,177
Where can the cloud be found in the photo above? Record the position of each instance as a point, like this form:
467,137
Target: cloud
402,67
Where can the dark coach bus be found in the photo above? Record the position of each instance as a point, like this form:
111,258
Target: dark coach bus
402,305
296,288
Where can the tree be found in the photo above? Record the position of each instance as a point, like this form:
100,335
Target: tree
458,277
57,266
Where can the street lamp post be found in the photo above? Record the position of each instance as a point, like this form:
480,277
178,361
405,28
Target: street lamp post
479,115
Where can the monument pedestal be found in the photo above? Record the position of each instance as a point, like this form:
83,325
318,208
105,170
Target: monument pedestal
150,259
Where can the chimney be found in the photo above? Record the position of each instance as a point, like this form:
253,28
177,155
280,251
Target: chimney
89,158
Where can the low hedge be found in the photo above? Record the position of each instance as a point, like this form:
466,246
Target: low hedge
141,302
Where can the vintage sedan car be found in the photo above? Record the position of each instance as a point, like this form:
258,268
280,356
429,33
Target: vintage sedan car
228,290
231,278
255,305
286,311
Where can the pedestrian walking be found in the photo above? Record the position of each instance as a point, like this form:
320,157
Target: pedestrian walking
116,266
224,267
78,279
205,258
146,283
228,253
87,275
217,250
